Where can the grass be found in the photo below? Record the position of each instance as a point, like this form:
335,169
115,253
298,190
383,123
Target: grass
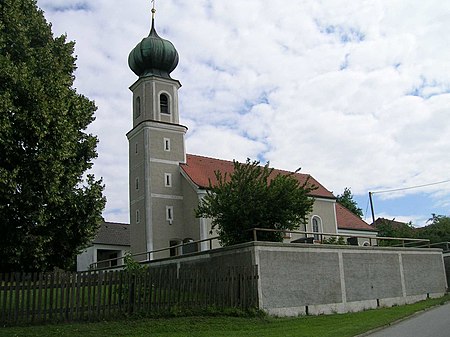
341,325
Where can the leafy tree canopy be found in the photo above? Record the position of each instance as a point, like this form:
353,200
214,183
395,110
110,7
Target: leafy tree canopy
49,208
437,231
346,200
394,229
252,197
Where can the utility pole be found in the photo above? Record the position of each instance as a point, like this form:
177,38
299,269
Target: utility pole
371,207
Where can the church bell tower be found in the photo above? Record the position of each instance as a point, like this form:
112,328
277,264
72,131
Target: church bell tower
156,146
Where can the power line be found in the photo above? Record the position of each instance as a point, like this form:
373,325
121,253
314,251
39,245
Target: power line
412,187
400,189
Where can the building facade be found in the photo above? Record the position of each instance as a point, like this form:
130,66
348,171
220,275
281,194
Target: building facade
108,248
165,183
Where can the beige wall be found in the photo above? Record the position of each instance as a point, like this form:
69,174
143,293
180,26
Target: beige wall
148,89
137,200
326,211
191,223
150,161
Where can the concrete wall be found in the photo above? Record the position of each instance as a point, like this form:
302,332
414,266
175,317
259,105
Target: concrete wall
447,268
296,279
321,280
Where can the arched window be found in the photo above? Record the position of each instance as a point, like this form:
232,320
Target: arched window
164,104
175,250
137,107
316,227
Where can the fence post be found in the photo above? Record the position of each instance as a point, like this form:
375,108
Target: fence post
132,281
255,238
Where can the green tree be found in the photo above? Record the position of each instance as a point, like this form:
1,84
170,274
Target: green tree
437,231
49,207
254,197
394,229
346,200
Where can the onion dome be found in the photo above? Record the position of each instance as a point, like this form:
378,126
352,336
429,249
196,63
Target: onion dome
153,56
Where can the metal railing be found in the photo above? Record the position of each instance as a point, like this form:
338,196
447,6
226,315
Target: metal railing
145,257
445,246
317,238
405,242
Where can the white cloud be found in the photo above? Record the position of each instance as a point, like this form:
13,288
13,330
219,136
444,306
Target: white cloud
222,143
356,93
416,220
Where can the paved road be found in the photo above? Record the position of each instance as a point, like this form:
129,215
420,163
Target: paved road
431,323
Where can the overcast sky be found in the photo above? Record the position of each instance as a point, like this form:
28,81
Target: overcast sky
356,93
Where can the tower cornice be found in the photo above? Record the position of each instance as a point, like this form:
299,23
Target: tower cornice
155,78
158,126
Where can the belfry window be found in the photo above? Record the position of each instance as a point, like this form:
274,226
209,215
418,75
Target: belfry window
164,104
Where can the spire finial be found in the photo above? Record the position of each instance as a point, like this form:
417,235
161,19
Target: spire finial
153,17
153,10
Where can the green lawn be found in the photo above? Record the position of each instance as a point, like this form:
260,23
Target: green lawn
308,326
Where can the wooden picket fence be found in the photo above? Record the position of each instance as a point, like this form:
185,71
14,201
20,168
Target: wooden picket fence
28,298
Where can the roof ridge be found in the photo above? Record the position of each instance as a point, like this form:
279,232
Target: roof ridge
201,169
115,223
354,222
201,156
231,161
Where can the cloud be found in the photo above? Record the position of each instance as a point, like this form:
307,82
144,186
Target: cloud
66,5
223,143
356,93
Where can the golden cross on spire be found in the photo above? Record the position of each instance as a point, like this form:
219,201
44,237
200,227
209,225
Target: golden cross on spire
153,8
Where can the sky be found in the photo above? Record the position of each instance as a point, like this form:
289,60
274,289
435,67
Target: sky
356,93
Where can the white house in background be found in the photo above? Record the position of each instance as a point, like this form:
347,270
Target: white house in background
111,242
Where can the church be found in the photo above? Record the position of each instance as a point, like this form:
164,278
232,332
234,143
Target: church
166,184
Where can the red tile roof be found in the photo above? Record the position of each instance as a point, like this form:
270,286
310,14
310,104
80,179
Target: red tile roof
393,223
201,170
347,220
